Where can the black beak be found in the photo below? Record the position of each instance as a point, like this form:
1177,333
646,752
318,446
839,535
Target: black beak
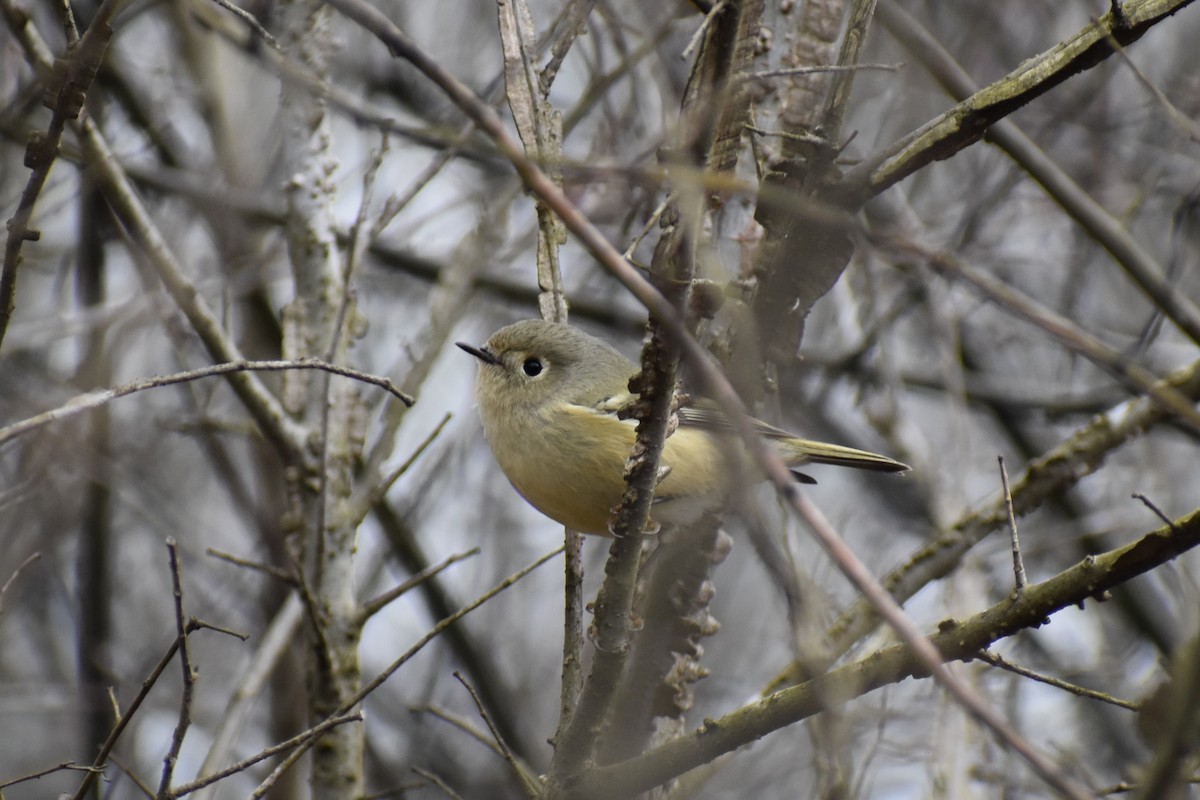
482,355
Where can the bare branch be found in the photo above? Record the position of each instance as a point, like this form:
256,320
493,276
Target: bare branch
11,578
524,775
965,123
93,399
300,740
124,719
278,638
1106,229
433,633
1060,467
189,675
999,662
372,607
1018,564
437,629
66,765
955,641
65,95
1066,332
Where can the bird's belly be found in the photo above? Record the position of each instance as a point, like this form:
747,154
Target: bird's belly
581,491
570,467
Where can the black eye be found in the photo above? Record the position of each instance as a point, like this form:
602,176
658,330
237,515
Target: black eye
532,367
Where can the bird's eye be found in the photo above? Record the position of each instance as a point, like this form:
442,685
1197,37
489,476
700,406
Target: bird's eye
532,367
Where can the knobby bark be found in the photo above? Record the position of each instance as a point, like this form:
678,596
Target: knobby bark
321,320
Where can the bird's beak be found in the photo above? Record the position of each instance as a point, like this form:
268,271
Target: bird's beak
481,354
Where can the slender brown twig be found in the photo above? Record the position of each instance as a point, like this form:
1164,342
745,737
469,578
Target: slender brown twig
375,605
1018,563
1000,662
299,740
189,675
529,782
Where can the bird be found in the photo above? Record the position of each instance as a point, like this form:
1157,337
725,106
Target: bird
548,395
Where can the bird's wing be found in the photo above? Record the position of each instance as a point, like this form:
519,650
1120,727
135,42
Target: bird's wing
618,404
702,413
794,449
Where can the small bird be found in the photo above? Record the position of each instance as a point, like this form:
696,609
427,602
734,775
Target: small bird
548,396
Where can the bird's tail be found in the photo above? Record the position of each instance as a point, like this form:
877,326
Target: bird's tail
804,451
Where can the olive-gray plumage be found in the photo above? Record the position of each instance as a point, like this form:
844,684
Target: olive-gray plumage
547,394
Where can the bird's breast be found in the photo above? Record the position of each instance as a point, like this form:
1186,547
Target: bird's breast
569,463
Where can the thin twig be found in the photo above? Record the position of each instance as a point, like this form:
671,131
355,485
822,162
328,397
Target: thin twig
573,23
464,725
143,787
194,625
794,136
996,660
438,782
4,589
650,225
65,765
1018,563
123,722
251,22
436,630
275,642
698,36
374,606
299,740
1181,121
1148,503
358,507
90,400
189,675
529,783
1126,787
267,569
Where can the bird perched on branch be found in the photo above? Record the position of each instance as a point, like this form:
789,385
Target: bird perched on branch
549,396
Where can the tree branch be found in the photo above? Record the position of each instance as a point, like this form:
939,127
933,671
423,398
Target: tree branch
955,641
962,125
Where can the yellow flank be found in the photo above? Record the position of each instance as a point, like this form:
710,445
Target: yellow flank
583,496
